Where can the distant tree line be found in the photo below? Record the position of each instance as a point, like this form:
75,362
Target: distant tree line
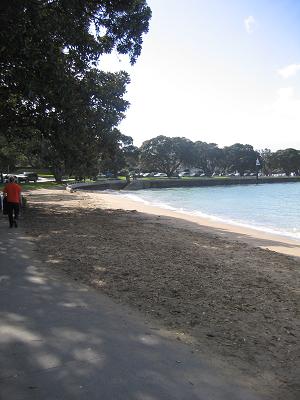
170,155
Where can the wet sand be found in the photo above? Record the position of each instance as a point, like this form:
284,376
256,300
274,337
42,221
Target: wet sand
281,244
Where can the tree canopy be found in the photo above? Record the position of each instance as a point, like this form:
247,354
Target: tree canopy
52,90
170,155
240,157
288,160
207,156
119,150
165,154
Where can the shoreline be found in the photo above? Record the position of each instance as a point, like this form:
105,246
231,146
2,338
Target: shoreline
255,237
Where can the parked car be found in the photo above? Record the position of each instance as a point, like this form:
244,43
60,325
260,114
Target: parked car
3,176
160,175
23,177
184,174
148,174
32,176
195,174
134,174
19,178
99,177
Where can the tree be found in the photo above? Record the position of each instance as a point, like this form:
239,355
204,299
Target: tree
240,157
71,136
118,148
43,41
132,157
165,154
266,157
288,160
8,156
49,51
207,157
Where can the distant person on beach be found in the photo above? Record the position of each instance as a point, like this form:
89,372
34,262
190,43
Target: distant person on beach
12,192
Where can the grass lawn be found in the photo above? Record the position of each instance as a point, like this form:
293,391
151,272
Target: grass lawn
184,178
34,186
42,175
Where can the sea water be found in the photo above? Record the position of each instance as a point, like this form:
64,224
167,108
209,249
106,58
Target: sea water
273,208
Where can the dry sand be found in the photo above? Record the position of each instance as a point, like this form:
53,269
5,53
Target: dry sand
254,237
236,303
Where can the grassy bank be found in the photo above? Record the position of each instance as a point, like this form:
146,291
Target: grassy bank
35,186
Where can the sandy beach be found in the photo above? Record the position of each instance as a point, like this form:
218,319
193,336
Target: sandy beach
281,244
232,293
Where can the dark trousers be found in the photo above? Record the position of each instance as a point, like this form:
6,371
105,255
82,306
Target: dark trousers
13,210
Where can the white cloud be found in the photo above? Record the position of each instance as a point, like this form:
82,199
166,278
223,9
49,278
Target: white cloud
250,24
284,119
287,104
289,70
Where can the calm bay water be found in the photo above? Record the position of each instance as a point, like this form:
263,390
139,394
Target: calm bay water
272,208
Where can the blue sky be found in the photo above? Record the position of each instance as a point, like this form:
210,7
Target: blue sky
222,71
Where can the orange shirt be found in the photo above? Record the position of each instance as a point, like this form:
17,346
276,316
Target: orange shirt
13,192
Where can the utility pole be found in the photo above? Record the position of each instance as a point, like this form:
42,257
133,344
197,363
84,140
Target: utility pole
257,165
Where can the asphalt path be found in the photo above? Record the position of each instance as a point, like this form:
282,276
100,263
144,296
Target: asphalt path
60,340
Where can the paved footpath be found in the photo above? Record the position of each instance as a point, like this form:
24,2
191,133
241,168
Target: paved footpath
60,340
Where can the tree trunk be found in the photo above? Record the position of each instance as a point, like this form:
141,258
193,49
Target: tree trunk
58,174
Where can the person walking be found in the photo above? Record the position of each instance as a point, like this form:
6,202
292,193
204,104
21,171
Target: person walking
12,191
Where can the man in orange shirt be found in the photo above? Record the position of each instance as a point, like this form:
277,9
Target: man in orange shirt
13,197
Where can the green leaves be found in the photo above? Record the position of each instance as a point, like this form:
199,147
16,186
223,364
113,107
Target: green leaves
207,157
165,154
287,160
240,157
49,83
